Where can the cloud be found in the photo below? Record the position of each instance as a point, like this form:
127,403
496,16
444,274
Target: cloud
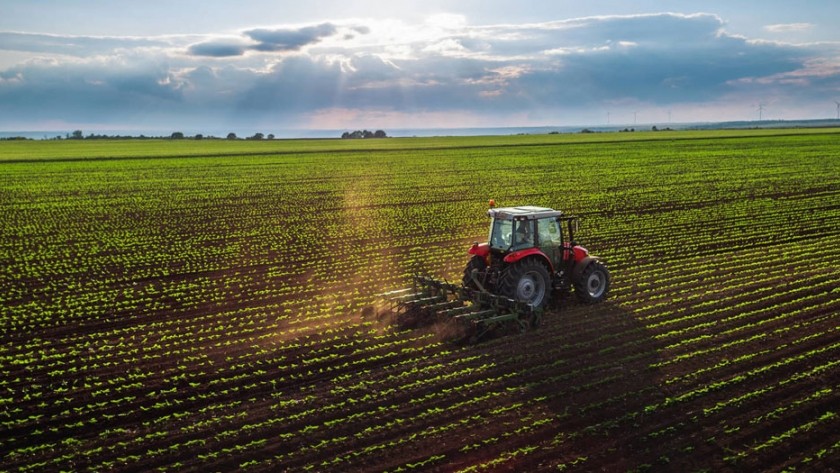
72,45
217,49
789,27
268,40
553,72
286,39
96,90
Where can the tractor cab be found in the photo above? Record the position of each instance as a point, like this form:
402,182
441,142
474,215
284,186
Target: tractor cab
516,229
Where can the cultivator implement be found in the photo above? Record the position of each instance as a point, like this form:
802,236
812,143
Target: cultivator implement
474,312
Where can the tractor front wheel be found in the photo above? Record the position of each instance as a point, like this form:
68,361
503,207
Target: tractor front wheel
528,281
593,283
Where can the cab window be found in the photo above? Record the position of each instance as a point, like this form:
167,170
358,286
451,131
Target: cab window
549,232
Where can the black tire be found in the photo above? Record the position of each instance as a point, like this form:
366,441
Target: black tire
593,283
528,281
476,262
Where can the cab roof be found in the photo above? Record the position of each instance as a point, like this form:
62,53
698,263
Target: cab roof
525,212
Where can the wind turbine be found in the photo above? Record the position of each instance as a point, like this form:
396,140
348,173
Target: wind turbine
760,110
838,109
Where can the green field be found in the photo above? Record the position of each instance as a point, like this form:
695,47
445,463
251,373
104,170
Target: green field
201,305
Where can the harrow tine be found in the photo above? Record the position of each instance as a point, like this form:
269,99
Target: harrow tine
480,315
446,305
421,300
407,297
393,293
457,311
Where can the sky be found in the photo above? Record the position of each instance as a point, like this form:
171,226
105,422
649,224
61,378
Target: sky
267,65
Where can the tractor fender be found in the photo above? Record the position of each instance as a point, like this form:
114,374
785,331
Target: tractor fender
518,255
580,252
482,249
577,252
581,265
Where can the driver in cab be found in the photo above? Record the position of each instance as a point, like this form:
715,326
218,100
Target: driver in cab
523,235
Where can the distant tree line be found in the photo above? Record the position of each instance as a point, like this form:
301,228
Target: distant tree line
363,134
177,135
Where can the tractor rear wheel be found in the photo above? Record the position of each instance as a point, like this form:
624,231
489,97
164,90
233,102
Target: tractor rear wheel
528,281
478,263
593,283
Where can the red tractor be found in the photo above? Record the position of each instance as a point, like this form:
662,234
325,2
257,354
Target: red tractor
528,257
509,279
